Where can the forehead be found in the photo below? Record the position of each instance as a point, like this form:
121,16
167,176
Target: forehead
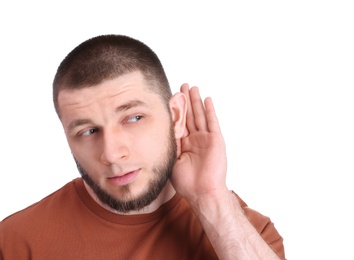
130,84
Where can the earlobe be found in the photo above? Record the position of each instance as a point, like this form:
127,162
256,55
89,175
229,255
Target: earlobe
178,106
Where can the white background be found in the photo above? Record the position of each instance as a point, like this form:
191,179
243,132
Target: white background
281,74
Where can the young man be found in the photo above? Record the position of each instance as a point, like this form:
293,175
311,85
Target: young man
153,170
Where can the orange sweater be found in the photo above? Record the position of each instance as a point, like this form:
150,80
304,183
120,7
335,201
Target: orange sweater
69,224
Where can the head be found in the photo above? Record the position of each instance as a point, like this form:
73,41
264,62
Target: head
106,57
120,119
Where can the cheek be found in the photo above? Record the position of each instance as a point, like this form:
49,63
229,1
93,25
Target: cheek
155,143
86,159
152,145
85,152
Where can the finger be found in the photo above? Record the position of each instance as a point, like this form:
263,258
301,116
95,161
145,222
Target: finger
198,109
212,119
189,115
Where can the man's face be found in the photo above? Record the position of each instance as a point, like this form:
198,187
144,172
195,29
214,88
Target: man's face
122,138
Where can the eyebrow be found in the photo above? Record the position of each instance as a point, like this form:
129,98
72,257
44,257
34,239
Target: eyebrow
130,104
77,123
124,107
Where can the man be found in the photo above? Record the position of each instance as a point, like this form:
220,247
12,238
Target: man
153,170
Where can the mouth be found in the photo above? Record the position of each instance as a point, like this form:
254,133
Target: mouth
125,178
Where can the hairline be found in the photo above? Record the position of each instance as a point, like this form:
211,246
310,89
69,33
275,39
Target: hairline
152,84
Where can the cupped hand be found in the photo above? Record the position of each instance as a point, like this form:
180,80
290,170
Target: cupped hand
200,170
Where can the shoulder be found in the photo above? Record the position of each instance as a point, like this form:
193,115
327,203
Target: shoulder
47,205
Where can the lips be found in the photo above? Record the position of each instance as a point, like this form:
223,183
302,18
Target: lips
124,179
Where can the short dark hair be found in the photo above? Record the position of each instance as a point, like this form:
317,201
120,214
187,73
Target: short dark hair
107,57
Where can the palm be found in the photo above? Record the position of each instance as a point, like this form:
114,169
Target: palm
201,167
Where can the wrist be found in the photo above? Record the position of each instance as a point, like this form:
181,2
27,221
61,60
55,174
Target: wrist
216,206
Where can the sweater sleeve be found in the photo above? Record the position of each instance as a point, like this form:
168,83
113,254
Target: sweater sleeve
265,227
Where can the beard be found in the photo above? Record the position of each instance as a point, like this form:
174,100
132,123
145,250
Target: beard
162,172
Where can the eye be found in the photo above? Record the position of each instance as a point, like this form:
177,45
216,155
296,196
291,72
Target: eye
88,132
134,119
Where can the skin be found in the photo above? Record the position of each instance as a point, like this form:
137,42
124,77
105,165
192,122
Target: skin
118,132
203,155
121,155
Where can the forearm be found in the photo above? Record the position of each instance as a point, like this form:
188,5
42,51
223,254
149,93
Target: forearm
229,230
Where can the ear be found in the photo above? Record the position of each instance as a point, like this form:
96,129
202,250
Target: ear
178,106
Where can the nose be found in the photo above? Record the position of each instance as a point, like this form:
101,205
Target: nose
114,147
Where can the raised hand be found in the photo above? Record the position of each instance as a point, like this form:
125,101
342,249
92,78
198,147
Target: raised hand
199,176
201,167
